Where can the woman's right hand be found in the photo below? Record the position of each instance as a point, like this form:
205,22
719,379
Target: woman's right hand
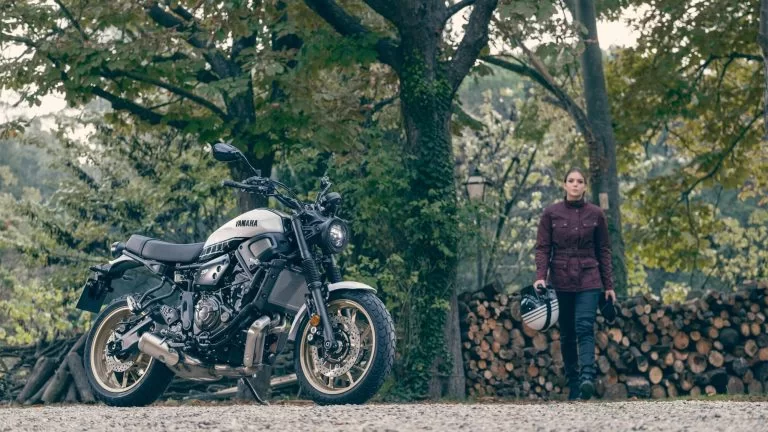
540,284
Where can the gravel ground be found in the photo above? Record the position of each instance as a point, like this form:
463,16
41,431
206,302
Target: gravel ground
591,416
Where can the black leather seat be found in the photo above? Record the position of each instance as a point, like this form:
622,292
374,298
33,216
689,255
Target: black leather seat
153,249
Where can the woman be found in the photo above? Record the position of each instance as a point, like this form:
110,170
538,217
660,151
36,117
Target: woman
574,249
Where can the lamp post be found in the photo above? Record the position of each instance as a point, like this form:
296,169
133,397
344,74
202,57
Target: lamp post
475,186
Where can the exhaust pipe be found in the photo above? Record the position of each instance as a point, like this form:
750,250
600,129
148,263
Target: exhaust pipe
192,368
158,348
254,342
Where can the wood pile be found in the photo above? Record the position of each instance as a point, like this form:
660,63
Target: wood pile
717,344
52,372
45,373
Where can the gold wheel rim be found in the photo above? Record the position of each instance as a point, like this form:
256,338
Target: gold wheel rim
109,380
361,367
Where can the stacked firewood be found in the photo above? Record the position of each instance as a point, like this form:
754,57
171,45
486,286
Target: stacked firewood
52,372
717,344
45,373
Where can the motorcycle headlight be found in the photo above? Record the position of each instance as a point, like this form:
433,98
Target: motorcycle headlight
335,235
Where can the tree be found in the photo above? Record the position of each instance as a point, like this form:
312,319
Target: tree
603,166
203,69
429,71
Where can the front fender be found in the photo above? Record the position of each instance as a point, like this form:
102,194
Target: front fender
339,286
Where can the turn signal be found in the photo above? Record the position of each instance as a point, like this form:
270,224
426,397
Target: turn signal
314,320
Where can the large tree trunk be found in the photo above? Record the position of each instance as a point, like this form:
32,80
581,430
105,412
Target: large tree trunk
762,40
426,107
602,152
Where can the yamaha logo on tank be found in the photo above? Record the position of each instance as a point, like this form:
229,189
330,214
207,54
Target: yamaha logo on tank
247,223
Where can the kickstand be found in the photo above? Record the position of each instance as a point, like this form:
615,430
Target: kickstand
255,394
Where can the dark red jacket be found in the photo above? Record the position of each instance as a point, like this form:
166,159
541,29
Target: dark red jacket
575,235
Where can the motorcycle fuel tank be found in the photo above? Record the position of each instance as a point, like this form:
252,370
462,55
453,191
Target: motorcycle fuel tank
247,225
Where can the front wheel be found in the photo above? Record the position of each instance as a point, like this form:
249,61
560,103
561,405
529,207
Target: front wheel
356,370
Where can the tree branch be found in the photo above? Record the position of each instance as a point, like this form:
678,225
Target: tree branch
216,59
71,19
149,116
170,87
457,7
386,8
475,38
545,80
349,26
724,154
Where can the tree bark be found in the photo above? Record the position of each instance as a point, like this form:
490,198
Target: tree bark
426,109
602,152
762,40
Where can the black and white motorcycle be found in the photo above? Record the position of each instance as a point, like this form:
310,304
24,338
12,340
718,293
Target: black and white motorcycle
231,305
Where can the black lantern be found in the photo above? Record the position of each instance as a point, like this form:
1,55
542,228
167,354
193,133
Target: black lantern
476,186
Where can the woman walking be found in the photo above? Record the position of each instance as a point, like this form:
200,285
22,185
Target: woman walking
573,248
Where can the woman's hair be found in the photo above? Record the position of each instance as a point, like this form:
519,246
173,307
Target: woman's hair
573,170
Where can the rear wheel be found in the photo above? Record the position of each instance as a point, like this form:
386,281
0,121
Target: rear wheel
354,372
134,380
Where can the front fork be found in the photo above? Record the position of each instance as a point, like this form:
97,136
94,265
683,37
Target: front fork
314,285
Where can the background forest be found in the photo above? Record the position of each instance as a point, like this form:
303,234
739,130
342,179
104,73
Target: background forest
346,89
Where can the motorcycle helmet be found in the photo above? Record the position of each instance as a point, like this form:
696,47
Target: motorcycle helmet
539,308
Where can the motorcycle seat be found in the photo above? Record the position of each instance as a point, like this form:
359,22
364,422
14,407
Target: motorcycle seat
158,250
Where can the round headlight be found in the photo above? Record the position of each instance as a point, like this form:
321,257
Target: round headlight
335,236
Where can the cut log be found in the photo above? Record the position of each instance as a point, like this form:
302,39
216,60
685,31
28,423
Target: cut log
697,363
57,385
71,396
750,348
716,359
739,367
735,385
755,388
44,368
681,341
638,386
658,392
729,338
617,391
75,365
655,375
703,346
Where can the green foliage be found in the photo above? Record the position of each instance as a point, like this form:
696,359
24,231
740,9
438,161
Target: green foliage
119,182
687,103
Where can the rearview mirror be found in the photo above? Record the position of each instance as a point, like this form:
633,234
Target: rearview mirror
225,152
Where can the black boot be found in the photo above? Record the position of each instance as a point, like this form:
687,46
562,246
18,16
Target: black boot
574,392
586,389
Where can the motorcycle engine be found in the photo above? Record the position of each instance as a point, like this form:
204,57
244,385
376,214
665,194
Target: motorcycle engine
207,313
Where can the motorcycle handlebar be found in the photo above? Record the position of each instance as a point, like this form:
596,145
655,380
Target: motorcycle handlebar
265,188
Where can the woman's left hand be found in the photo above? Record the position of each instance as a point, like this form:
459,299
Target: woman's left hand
611,295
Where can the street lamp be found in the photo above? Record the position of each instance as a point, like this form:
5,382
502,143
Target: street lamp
475,185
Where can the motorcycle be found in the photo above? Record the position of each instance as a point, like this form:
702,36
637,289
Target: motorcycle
264,279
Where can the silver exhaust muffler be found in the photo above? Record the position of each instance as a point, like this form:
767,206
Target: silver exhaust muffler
158,348
254,342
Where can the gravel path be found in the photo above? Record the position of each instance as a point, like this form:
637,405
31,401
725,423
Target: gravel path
592,416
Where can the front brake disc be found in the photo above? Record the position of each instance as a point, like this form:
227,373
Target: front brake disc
327,368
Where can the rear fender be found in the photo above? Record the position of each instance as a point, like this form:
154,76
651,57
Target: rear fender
99,283
339,286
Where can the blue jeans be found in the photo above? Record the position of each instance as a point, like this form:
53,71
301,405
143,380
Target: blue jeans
577,333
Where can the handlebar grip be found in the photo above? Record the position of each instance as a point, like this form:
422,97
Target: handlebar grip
231,183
